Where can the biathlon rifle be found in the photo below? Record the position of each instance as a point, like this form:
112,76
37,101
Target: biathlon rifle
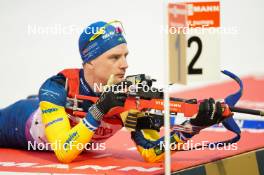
145,101
152,101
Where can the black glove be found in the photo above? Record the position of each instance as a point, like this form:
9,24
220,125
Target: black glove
210,113
113,96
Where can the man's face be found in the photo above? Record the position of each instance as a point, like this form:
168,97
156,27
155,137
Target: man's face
113,62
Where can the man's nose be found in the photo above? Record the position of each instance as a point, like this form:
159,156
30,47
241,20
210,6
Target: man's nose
124,64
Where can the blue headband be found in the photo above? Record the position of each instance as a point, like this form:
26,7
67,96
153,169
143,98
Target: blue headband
92,48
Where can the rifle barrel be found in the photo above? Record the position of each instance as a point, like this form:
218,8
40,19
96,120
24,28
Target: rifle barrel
247,111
